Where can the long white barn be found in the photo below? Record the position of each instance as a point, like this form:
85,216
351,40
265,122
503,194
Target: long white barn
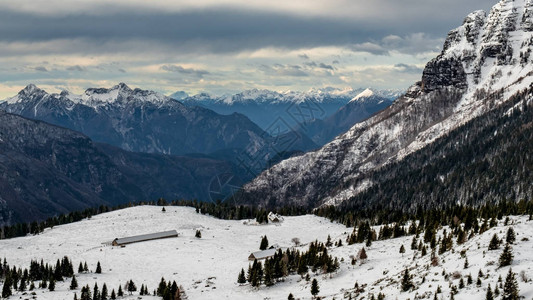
144,237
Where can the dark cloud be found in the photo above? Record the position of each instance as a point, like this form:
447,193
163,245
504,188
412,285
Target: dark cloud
324,66
284,70
40,69
304,56
182,70
76,68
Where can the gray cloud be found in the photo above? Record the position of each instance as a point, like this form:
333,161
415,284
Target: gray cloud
284,70
324,66
40,69
76,68
304,56
224,30
182,70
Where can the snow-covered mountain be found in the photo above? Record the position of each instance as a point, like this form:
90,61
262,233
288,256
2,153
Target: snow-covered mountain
484,63
137,120
359,108
264,107
207,267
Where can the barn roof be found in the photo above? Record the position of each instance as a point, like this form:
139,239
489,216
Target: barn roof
263,254
146,237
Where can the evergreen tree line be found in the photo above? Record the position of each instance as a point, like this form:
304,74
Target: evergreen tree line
289,262
18,279
451,215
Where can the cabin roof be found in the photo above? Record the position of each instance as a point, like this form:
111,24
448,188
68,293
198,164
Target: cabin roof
146,237
263,254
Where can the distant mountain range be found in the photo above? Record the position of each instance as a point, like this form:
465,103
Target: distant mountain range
265,107
137,120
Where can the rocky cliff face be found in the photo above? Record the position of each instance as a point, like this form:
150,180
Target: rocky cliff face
483,64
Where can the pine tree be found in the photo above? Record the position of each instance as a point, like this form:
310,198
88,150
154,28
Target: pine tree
291,297
264,243
73,283
113,295
75,296
52,285
506,258
98,268
198,234
85,267
402,249
407,284
6,289
22,285
80,268
103,295
414,243
362,254
85,293
510,288
494,242
120,292
314,287
511,236
131,287
242,278
328,241
96,292
489,295
466,263
161,287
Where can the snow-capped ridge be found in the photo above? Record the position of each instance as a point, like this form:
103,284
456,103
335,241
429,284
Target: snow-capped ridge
364,94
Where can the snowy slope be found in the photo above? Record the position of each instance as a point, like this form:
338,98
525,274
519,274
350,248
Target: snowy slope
208,267
484,63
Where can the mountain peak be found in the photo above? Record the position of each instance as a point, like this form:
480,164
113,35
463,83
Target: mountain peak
364,94
26,93
122,86
30,89
120,93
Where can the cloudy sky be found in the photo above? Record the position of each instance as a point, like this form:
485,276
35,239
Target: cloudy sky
222,46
